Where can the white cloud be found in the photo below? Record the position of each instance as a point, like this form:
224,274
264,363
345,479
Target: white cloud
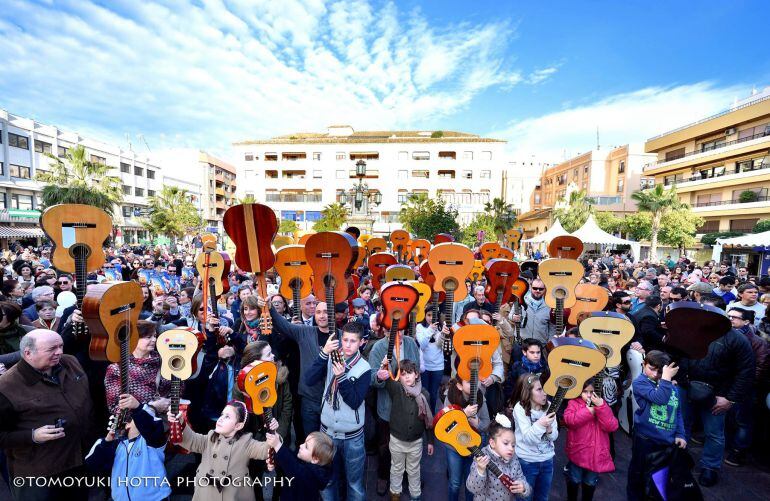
205,73
541,75
631,117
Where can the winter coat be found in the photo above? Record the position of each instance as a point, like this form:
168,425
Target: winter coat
648,327
489,487
536,323
588,439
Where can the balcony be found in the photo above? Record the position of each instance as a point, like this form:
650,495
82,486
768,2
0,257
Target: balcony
698,154
293,197
603,200
696,179
730,202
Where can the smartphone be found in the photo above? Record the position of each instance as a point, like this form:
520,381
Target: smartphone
60,423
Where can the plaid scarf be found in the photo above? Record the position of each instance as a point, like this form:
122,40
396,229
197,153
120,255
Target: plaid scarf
423,408
331,391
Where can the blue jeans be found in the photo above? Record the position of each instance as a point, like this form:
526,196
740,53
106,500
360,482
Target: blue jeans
713,429
350,455
311,415
740,421
431,380
459,468
539,476
579,475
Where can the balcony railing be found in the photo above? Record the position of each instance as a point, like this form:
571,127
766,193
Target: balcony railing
730,202
293,197
704,150
681,178
605,200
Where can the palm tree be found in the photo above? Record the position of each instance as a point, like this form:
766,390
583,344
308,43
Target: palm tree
503,215
332,217
172,213
248,199
576,212
77,180
658,201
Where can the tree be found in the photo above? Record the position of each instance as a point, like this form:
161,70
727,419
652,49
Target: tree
482,222
637,226
678,228
609,222
332,218
658,201
761,226
711,238
577,211
248,199
288,226
77,180
426,217
172,214
503,216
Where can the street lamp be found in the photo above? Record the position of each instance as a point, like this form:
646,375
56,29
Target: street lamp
360,169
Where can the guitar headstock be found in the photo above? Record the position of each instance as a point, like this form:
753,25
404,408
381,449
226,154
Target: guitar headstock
507,482
266,325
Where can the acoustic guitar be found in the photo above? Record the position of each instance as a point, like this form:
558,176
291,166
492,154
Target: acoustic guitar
330,254
561,275
530,266
378,265
398,300
500,273
399,241
425,293
477,271
375,245
518,289
420,249
475,344
610,332
179,350
78,233
450,264
692,327
443,238
451,426
211,268
572,362
505,253
252,228
436,297
588,298
257,383
489,250
112,312
399,273
291,265
513,238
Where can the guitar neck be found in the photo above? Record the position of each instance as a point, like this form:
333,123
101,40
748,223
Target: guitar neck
412,324
559,316
558,399
449,305
517,324
176,384
213,298
491,466
474,386
267,417
434,299
498,302
295,300
330,309
392,342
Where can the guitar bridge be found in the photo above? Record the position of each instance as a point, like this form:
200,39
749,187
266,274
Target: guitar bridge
122,309
576,363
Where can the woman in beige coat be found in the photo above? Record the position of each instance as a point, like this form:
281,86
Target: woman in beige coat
223,474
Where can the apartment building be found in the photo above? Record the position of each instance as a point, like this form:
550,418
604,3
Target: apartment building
609,177
720,165
25,143
299,174
210,181
520,179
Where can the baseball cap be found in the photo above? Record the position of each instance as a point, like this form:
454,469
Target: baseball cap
359,303
701,287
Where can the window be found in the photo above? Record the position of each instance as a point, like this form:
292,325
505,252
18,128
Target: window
317,155
18,141
467,155
19,171
127,211
126,190
317,174
586,168
403,155
710,199
447,174
42,147
712,145
150,193
709,227
150,174
646,182
293,156
761,193
138,171
403,174
248,157
340,174
3,201
537,198
486,174
23,202
294,174
271,174
486,155
744,225
2,169
340,155
467,174
622,167
98,160
62,151
674,154
271,157
124,167
620,185
750,165
139,192
447,155
421,173
420,155
364,155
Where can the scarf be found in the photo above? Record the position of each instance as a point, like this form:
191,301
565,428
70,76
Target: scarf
331,392
423,409
534,368
252,328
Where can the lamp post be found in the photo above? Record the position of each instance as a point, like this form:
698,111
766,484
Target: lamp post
360,197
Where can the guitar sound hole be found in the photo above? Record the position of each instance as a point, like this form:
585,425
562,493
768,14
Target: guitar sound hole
176,363
450,284
560,293
463,438
122,334
264,394
329,281
474,364
79,251
606,350
567,382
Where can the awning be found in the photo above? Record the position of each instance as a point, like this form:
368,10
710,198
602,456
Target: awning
590,233
16,232
750,240
556,230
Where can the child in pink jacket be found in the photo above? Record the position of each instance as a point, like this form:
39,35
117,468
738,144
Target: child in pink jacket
589,423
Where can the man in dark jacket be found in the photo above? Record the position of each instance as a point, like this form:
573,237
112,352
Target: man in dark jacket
45,417
647,323
728,369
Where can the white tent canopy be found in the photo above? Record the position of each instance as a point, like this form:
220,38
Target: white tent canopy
556,230
590,233
751,240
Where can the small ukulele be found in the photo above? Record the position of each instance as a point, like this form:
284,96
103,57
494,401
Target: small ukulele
489,250
477,271
420,249
475,344
588,298
399,273
257,383
610,332
399,240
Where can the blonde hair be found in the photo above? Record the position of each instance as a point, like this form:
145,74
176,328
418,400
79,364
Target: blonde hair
323,447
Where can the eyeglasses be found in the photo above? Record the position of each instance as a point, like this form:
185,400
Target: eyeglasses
626,302
63,282
734,317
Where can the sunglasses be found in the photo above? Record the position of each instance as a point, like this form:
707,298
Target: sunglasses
625,302
538,288
62,282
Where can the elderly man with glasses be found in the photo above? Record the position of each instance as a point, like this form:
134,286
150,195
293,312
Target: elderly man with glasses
642,291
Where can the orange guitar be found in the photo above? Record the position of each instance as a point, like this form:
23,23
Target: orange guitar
451,426
78,233
450,264
588,298
399,240
443,238
572,362
561,274
489,250
436,297
475,344
257,383
505,253
375,245
420,249
477,271
399,273
398,300
378,266
500,273
513,238
291,265
330,255
518,290
210,265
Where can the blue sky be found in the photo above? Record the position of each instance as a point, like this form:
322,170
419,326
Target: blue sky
543,75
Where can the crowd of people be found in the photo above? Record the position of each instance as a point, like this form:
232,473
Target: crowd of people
56,402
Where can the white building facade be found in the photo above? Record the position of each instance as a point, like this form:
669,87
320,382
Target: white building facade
521,178
299,174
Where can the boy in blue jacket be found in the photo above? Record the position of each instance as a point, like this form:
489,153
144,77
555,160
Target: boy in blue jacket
658,422
310,469
136,461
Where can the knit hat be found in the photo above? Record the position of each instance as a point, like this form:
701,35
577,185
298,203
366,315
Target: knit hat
701,287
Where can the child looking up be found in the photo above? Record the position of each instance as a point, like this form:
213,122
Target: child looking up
310,467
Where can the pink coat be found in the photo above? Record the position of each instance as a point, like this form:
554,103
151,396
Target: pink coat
588,439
